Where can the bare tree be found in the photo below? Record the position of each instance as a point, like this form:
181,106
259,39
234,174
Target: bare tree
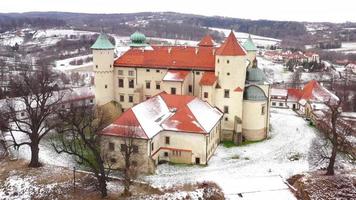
128,149
31,113
296,77
79,135
335,131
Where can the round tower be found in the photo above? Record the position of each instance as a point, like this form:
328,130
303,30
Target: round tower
103,57
255,121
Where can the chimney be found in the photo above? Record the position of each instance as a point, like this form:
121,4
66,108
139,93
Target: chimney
169,49
196,50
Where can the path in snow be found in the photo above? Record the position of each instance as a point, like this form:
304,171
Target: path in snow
258,163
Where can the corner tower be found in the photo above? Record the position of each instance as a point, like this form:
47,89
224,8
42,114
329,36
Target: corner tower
251,49
103,58
230,68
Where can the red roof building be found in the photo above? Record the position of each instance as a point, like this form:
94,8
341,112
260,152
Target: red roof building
208,78
231,47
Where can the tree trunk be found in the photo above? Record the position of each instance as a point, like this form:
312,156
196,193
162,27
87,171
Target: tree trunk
102,185
34,156
330,169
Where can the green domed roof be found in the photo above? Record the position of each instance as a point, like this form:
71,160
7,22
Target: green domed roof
249,45
102,42
255,74
254,93
138,39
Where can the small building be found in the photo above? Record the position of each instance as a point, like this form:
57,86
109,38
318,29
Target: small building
165,128
279,98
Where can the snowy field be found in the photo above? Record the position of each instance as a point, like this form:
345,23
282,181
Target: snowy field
276,73
254,170
346,48
258,40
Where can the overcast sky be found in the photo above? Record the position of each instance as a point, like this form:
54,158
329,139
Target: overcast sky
296,10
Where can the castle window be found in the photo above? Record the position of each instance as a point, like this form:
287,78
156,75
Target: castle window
122,98
173,90
111,146
218,60
152,146
120,72
226,119
190,88
110,66
148,85
227,93
131,73
226,109
131,83
197,73
157,71
263,109
228,61
206,95
165,154
147,70
106,86
167,140
228,73
158,85
134,148
121,83
96,66
130,99
273,103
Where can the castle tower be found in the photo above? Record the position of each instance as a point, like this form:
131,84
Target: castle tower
251,49
255,118
103,57
230,68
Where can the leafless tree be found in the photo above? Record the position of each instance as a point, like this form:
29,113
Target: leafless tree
128,149
79,135
31,113
335,131
296,77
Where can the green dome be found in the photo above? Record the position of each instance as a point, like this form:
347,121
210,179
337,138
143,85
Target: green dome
102,42
255,74
138,39
254,93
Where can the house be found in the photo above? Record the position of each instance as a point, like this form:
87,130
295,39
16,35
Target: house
165,127
225,76
311,98
279,98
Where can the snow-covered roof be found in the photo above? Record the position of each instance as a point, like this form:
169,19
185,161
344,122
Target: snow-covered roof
175,75
279,92
168,112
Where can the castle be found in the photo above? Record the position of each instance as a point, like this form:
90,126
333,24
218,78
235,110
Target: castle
225,77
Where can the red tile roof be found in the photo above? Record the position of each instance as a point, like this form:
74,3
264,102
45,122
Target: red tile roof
206,41
166,112
208,78
231,47
175,75
238,89
175,57
294,94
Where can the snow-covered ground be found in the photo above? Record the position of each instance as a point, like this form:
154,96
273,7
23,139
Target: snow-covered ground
276,73
346,47
64,65
255,169
258,40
